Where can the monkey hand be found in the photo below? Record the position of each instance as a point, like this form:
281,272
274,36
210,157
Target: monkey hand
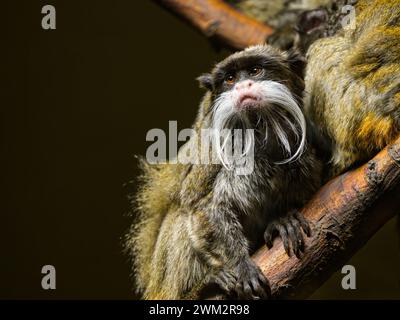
289,229
251,282
245,281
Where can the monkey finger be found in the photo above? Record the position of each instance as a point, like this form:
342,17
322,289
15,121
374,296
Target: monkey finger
258,289
226,281
239,290
268,235
293,238
263,279
285,239
305,225
248,293
299,236
230,276
265,284
222,284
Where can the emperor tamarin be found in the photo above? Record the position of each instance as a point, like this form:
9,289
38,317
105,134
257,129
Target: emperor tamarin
353,84
198,224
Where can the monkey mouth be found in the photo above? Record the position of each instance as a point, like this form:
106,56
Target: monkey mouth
248,100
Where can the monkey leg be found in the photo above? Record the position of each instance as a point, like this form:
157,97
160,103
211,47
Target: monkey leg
289,229
244,281
175,267
217,238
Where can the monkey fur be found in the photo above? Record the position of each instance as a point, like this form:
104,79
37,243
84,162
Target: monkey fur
197,225
353,84
352,77
282,15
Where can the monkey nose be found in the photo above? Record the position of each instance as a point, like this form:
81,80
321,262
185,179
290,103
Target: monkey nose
244,84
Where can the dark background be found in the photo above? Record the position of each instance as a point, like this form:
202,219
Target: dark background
76,104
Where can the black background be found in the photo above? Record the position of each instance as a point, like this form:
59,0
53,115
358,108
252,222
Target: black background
76,104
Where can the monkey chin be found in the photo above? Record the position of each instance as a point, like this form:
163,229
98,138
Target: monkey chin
249,98
248,102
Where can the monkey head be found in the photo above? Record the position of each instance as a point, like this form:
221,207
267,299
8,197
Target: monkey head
260,88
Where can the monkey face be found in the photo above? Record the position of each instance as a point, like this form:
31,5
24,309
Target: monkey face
260,88
256,63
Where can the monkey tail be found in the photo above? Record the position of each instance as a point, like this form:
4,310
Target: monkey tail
148,205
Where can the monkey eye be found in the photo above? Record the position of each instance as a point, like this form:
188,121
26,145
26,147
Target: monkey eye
230,79
255,71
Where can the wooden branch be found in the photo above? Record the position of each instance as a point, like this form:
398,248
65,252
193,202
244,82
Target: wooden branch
344,215
216,19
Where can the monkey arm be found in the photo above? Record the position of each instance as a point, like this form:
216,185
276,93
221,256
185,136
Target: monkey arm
215,229
216,235
220,242
359,203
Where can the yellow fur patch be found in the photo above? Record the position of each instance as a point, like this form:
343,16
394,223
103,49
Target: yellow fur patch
375,130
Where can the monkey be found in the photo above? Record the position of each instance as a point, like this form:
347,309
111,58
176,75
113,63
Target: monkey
283,16
325,21
198,224
353,84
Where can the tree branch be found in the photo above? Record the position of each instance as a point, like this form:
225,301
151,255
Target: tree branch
216,19
344,215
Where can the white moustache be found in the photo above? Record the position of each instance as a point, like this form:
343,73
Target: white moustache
276,101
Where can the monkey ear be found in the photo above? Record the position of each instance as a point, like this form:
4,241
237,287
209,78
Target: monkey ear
297,62
206,81
311,21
